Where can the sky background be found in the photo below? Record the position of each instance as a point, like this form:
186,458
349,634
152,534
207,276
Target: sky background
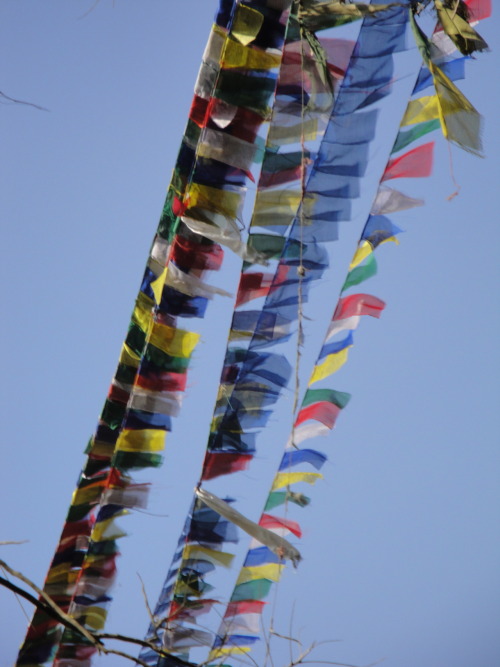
401,542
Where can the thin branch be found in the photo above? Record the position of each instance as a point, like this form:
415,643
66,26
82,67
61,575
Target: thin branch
290,630
148,607
35,106
290,639
89,10
300,659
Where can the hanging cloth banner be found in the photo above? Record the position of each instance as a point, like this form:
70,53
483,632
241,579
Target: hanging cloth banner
260,531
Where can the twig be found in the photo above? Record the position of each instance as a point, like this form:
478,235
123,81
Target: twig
36,106
299,660
290,630
89,10
290,639
149,610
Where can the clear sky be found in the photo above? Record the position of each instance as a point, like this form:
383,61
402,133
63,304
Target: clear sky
401,542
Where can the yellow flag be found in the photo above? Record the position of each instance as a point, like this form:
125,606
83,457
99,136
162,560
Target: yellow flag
271,571
173,341
390,239
421,110
225,202
107,530
141,440
460,121
330,365
287,478
129,358
95,617
291,134
277,201
238,55
361,253
194,551
157,285
247,23
87,494
228,650
58,573
142,314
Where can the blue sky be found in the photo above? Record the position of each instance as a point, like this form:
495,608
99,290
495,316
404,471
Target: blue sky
401,544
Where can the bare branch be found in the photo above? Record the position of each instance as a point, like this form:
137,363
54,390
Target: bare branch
148,607
290,639
35,106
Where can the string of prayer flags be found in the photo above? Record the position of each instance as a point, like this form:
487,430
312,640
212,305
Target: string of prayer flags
148,360
318,404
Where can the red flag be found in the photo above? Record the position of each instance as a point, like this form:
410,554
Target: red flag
254,285
74,528
323,412
198,111
192,255
224,463
269,522
358,304
118,394
244,607
479,9
163,381
414,164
